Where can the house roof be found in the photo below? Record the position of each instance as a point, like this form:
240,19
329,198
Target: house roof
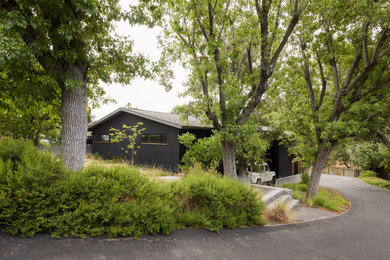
169,119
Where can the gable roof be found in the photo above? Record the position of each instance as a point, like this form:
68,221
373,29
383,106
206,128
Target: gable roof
169,119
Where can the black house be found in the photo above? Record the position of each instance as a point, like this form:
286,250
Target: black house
159,145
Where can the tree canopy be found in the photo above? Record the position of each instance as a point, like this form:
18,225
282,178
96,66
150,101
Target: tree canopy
231,49
338,63
75,44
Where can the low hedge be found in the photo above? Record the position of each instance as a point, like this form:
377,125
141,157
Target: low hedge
211,202
37,194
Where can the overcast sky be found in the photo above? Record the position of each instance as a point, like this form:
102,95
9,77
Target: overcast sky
144,94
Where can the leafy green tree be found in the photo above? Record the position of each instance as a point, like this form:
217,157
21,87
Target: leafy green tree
205,151
338,61
29,101
129,134
74,43
232,49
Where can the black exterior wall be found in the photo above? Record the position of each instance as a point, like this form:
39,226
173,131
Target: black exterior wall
280,161
159,155
168,155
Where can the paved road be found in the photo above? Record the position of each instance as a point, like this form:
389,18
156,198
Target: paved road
362,233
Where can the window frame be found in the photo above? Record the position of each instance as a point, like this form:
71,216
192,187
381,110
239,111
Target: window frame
163,140
100,139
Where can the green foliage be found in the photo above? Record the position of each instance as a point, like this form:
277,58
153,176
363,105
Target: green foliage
386,161
129,134
38,194
204,151
327,199
296,186
368,155
212,202
366,174
117,201
12,149
25,180
305,177
377,182
230,49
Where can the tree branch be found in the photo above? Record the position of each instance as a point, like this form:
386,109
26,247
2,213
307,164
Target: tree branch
306,70
323,80
383,137
293,22
379,44
365,43
352,68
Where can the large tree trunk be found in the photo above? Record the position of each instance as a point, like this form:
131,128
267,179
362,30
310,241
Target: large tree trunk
229,159
74,121
318,166
241,169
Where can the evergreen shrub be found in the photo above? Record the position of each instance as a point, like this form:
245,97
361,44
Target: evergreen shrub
118,201
38,194
25,179
212,202
366,174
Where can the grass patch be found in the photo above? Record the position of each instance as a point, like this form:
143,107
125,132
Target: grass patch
329,199
325,199
153,173
382,183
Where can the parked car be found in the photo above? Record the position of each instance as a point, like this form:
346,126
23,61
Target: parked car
261,174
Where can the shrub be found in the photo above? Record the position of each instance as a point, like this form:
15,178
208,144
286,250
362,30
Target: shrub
38,194
117,201
296,186
366,174
205,151
13,149
212,202
24,183
305,177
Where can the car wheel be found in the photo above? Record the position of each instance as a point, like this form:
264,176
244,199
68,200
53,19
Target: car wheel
273,181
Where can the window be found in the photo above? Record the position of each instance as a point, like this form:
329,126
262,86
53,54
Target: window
104,138
154,139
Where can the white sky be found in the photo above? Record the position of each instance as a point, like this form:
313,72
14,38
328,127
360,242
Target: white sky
144,94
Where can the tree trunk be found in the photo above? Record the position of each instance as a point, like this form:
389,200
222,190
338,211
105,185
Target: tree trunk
241,169
74,121
384,138
229,159
318,166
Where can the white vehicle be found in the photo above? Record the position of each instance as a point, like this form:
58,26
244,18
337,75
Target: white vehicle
261,174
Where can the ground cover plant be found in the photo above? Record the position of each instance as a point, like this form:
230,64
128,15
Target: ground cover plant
325,198
370,178
38,194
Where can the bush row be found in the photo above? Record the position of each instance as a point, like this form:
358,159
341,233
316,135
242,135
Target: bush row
37,194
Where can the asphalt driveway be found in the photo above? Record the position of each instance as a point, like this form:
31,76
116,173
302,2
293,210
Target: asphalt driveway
362,233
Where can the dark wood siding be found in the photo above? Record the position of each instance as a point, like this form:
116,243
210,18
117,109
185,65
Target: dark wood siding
280,161
159,155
